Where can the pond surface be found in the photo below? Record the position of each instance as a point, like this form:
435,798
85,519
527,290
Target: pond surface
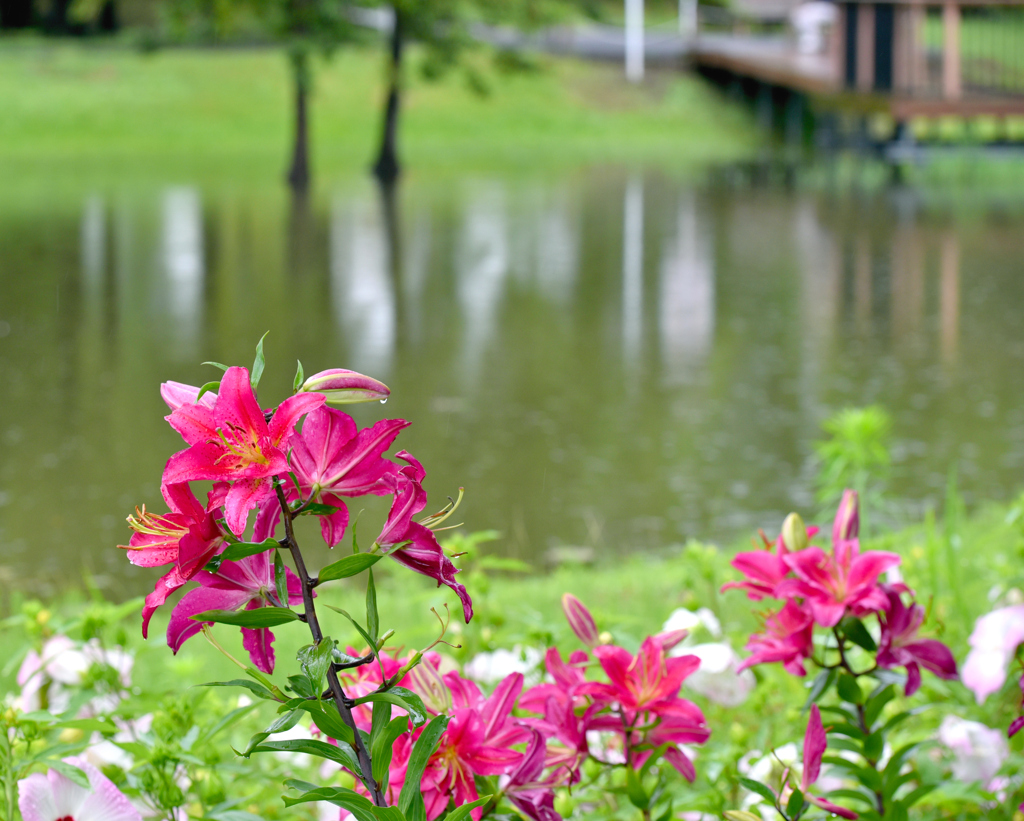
604,360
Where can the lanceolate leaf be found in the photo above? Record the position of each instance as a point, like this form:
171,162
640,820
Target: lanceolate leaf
257,690
258,364
372,618
383,746
400,697
822,682
762,790
260,617
282,723
69,771
856,632
317,509
325,716
459,813
342,797
349,566
300,377
280,579
876,703
240,550
315,660
206,388
342,754
388,814
421,752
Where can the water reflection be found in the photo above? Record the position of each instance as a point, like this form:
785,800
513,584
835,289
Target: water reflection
361,289
609,362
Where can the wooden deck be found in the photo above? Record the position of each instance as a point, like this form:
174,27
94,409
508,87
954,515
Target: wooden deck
768,59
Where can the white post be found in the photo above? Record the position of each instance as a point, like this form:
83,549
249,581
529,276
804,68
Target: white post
634,40
633,270
688,18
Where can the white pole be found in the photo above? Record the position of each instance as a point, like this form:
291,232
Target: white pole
633,270
634,40
688,18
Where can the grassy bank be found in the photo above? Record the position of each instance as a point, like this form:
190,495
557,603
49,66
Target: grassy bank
71,108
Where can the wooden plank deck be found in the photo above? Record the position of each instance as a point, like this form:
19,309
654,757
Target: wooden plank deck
769,59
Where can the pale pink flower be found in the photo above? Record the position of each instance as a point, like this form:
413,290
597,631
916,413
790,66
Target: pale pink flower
55,797
993,644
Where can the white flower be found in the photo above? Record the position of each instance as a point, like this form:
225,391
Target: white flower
718,678
978,751
54,797
683,619
489,668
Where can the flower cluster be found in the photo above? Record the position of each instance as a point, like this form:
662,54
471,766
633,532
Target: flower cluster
538,739
303,454
835,590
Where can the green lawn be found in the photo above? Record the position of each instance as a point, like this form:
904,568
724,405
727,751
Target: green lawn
91,109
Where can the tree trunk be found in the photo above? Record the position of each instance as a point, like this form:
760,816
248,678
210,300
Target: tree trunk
298,174
387,167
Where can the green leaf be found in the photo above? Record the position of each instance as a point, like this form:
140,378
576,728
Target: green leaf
315,661
226,721
914,796
795,805
400,697
89,725
853,795
876,703
856,632
382,747
895,762
740,815
280,724
260,617
299,377
873,746
461,812
762,790
342,797
208,387
381,717
359,628
372,618
280,580
240,550
257,690
343,754
325,716
849,690
822,682
69,771
635,791
318,509
258,364
421,752
388,814
217,365
349,566
302,686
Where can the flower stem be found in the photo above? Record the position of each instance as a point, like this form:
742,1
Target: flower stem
337,693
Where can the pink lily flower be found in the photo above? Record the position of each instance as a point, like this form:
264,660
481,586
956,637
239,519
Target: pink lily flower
55,797
533,797
411,543
331,458
176,394
247,583
567,738
495,711
842,581
232,442
463,753
815,744
764,569
788,637
344,387
899,645
568,678
363,680
189,536
649,682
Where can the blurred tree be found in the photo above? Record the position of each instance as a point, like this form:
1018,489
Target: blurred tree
445,28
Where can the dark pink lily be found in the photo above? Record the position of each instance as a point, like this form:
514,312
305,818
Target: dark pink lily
765,569
525,788
845,580
649,681
233,442
815,744
188,536
788,637
567,679
247,583
899,645
331,458
411,543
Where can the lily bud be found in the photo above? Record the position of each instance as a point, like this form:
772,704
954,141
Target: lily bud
580,620
794,533
847,521
343,387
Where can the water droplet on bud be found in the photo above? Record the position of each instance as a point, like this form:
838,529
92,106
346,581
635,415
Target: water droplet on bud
384,401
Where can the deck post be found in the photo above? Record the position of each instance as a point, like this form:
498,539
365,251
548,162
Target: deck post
688,18
865,47
634,40
952,85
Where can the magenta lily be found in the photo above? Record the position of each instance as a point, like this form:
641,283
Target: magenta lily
580,620
331,458
788,638
412,543
650,681
567,680
765,569
525,788
233,442
188,536
247,583
815,744
899,645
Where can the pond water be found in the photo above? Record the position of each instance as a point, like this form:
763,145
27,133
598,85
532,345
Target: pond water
605,360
